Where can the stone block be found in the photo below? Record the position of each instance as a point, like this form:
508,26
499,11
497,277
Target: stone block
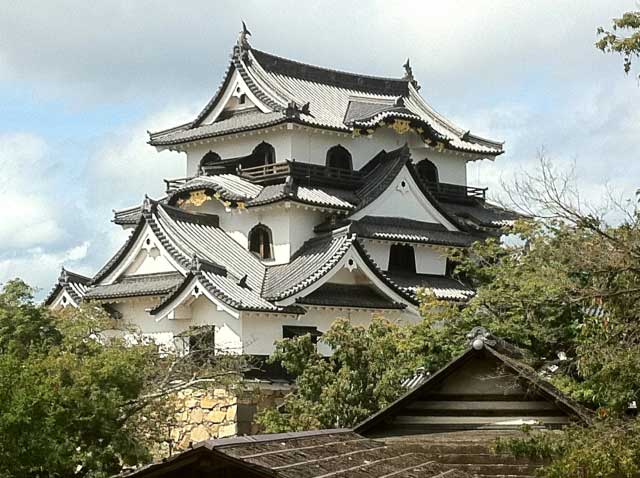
196,415
216,416
200,433
232,412
191,403
209,402
227,430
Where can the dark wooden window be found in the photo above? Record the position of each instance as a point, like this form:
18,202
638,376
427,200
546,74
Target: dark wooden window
339,157
428,171
260,242
402,258
209,159
198,342
242,99
293,331
263,154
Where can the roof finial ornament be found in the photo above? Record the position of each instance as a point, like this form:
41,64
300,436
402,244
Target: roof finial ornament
408,74
64,276
195,264
146,205
478,337
242,40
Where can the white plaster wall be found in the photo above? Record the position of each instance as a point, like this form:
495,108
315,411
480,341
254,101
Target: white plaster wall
452,167
261,331
228,329
301,224
290,226
430,260
379,252
311,146
149,262
242,145
403,201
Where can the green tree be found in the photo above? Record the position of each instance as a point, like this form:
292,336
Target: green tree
80,398
361,376
565,289
623,38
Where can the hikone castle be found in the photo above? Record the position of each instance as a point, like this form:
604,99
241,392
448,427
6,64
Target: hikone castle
309,194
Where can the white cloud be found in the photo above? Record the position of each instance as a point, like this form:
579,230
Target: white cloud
132,49
39,267
28,217
124,167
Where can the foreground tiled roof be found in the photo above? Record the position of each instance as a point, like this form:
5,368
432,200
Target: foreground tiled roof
315,454
519,395
233,188
320,97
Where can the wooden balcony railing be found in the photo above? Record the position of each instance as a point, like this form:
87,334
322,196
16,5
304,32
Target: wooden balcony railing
315,174
455,192
306,172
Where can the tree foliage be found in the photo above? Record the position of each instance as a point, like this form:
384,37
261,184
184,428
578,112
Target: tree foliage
565,289
79,396
362,375
62,392
623,38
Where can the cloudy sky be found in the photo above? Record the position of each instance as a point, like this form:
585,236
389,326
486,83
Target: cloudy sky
81,83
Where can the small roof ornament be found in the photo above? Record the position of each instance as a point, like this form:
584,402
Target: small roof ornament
242,39
479,337
195,265
64,276
146,205
408,74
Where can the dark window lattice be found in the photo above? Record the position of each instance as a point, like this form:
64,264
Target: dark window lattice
402,258
339,157
262,155
209,159
293,331
428,171
260,242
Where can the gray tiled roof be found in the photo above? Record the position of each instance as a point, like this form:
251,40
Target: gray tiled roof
73,284
483,214
445,288
379,173
242,122
128,216
337,100
136,286
349,295
208,242
311,262
406,230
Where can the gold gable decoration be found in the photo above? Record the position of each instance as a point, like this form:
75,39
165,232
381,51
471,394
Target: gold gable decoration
197,198
401,126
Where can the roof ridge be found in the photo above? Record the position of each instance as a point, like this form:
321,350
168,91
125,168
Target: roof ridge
323,68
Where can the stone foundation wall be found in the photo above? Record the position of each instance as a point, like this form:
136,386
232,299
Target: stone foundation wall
219,413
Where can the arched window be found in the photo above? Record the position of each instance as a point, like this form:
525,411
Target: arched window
260,242
209,159
428,171
339,157
262,154
402,258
